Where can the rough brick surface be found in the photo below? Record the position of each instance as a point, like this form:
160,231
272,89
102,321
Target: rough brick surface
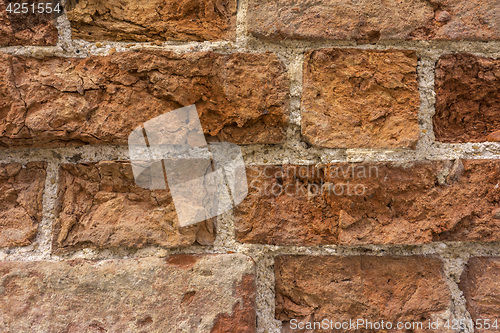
99,205
393,289
183,292
28,28
240,97
21,191
121,20
412,203
369,21
467,99
481,288
358,98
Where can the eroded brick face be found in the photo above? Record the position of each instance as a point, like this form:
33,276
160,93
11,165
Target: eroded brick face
241,98
26,28
129,295
100,206
370,21
153,20
378,203
467,99
360,99
481,287
21,191
395,289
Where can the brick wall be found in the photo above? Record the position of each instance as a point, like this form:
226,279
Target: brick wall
371,137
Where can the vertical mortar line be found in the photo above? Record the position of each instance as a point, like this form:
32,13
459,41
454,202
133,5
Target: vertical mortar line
453,266
225,231
242,23
265,295
426,88
44,236
65,40
293,141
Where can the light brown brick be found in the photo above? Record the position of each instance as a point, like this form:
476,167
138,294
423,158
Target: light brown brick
370,21
360,99
210,293
393,289
242,98
26,28
153,20
371,203
21,191
467,99
100,206
481,288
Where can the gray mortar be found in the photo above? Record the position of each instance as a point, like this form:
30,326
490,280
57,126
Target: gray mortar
294,151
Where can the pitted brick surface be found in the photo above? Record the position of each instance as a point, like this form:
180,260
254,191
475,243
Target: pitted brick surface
153,20
241,98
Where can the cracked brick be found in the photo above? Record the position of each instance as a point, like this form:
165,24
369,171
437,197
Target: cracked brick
21,191
153,20
54,102
100,206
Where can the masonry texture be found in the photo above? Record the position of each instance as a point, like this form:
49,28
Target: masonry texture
374,288
153,20
369,21
99,205
134,295
468,99
479,283
360,99
59,101
370,133
21,201
26,28
379,203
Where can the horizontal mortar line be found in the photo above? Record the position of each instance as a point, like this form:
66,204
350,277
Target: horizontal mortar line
486,48
274,154
300,44
445,250
253,45
418,44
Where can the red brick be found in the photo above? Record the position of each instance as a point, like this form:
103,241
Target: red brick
28,28
129,295
360,99
467,99
382,203
370,21
153,20
393,289
242,98
100,206
481,287
21,191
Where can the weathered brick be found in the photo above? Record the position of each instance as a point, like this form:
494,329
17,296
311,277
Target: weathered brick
393,289
481,288
99,205
153,20
467,99
360,98
192,293
371,203
370,21
26,28
21,191
242,98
